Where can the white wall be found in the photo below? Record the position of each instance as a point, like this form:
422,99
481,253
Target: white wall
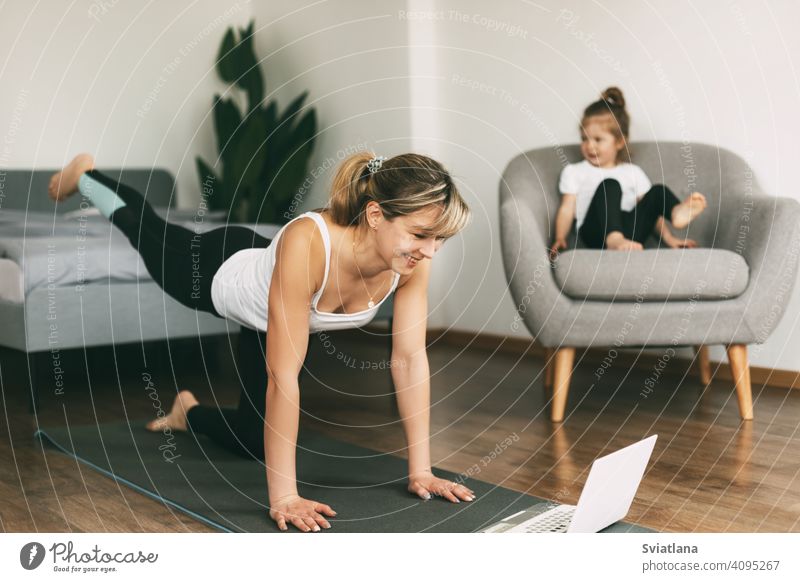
718,72
353,59
130,81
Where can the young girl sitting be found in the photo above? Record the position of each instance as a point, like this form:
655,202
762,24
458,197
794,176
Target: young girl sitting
611,200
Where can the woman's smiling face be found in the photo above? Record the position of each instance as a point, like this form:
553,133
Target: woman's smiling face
404,241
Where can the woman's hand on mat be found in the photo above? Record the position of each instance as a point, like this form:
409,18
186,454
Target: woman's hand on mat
558,244
304,514
425,484
674,242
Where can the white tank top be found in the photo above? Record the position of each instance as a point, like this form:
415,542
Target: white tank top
240,289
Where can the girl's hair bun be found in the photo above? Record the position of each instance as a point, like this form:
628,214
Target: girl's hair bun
613,96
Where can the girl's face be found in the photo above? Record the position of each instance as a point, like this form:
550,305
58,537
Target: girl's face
402,241
598,145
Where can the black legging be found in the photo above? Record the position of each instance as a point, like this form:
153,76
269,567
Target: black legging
605,214
183,263
240,429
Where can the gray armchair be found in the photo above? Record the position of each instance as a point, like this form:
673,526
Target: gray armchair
732,291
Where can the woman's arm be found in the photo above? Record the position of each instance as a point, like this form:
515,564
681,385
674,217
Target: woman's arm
411,376
410,371
294,281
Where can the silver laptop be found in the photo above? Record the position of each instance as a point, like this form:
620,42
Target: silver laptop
605,499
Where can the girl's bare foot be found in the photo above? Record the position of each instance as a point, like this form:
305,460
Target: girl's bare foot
688,210
176,419
65,183
616,241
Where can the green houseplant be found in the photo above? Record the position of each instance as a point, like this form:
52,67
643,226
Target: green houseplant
263,154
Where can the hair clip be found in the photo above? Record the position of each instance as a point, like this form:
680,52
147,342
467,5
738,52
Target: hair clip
375,164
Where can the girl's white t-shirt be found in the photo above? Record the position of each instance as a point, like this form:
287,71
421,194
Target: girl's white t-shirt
582,180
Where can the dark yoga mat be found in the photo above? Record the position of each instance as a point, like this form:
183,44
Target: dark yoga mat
365,487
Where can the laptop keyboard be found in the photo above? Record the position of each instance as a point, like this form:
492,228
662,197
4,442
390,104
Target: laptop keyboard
555,520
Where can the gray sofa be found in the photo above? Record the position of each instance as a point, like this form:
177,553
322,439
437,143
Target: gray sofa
732,291
54,318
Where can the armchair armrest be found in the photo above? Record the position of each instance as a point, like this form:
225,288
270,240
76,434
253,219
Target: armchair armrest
539,303
768,237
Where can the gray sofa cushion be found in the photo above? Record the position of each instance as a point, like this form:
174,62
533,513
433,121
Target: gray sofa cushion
651,274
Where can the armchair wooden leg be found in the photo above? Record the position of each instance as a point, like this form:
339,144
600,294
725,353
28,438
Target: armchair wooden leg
562,373
740,369
704,364
548,368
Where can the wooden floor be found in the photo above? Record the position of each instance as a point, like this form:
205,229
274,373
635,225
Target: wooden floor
710,472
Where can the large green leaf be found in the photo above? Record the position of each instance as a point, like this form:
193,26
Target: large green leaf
227,120
293,168
281,139
226,58
218,200
288,117
244,165
270,113
237,64
250,81
306,130
259,149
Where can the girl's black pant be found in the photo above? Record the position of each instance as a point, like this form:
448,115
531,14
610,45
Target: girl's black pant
183,263
605,214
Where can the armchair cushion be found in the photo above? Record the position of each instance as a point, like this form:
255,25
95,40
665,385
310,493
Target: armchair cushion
651,275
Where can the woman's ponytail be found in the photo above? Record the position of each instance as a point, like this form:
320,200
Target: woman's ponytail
349,188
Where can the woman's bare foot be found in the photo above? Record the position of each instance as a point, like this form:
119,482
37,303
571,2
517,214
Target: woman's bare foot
616,241
65,183
176,419
688,210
